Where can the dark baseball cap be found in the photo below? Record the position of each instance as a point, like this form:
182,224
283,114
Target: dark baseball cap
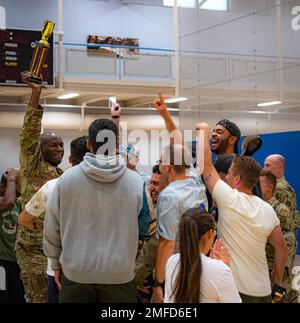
233,129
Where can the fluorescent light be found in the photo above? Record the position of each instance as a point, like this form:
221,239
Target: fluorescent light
266,104
257,112
174,100
180,3
68,96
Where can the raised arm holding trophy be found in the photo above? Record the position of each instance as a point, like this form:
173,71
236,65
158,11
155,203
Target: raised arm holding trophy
33,75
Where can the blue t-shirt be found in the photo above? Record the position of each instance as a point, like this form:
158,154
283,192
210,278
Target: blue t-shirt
174,200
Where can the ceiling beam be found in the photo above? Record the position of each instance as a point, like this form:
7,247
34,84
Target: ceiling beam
88,99
139,101
108,89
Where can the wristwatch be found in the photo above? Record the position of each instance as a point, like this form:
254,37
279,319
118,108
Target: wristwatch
158,284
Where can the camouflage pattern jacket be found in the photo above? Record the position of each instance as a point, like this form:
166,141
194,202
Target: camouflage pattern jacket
35,171
285,216
285,194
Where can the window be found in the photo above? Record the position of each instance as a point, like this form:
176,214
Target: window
180,3
220,5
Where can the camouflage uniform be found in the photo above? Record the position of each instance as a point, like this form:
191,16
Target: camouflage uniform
145,263
286,218
285,194
146,258
35,172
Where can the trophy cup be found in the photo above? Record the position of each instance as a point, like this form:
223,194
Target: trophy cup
40,54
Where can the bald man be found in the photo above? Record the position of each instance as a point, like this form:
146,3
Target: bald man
40,156
284,192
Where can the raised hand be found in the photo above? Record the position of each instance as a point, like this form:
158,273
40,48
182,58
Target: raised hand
115,110
11,174
203,126
34,86
220,252
159,103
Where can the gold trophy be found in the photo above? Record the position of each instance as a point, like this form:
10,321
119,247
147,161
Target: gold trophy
40,54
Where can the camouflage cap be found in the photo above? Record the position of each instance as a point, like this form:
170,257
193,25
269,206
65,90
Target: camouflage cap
250,145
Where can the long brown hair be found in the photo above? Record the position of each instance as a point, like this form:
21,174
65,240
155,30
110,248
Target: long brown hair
193,225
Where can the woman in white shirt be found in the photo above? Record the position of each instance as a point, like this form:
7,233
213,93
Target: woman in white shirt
191,277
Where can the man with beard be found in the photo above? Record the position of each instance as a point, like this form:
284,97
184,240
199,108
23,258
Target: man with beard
40,156
245,224
224,142
225,138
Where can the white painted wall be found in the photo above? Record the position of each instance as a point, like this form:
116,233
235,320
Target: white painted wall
153,25
249,124
238,33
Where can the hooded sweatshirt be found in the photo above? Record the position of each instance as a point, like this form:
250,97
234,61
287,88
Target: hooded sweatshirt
92,221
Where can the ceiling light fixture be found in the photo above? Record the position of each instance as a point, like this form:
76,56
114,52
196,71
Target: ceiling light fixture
266,104
68,96
176,99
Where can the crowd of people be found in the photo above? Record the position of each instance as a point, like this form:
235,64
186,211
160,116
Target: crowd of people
103,231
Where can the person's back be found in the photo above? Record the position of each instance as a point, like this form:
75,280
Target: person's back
191,277
182,193
217,284
100,200
245,222
93,222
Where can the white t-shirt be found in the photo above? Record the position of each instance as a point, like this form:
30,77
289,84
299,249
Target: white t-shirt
37,206
216,283
244,224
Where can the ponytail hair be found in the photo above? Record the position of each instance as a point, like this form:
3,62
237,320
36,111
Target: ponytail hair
193,225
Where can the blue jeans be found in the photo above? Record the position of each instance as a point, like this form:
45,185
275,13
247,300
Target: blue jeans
52,290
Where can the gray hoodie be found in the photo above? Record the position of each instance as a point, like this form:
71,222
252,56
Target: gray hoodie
92,221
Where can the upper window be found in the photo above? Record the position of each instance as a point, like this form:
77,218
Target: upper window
221,5
180,3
